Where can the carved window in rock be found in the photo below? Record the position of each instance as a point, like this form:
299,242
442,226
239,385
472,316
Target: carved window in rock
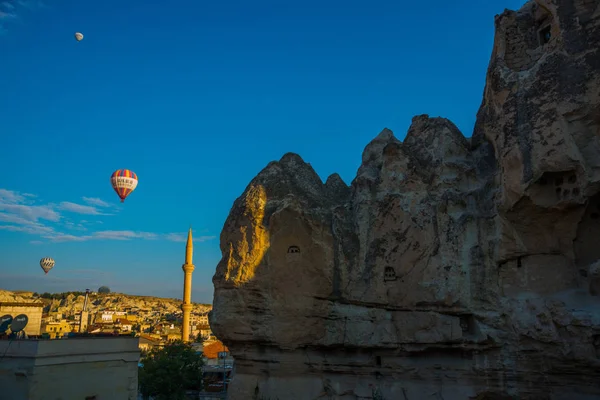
545,34
293,254
293,250
467,324
389,274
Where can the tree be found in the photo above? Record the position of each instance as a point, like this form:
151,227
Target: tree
169,371
104,289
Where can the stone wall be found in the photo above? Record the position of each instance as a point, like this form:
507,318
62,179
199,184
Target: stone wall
86,368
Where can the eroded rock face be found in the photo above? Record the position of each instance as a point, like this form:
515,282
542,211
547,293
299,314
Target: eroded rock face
450,268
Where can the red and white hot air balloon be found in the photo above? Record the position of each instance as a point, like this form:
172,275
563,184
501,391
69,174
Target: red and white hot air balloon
124,182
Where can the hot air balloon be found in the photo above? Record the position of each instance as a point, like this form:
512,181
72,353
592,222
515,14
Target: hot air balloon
124,182
47,264
78,36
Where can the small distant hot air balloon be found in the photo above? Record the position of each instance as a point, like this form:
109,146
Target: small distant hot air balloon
47,264
124,182
78,36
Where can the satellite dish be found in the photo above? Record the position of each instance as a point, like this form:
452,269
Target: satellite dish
19,323
5,321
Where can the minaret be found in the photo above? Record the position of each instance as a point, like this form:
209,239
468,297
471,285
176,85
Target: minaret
85,315
188,268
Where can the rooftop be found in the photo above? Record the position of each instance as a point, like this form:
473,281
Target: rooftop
53,351
21,304
212,350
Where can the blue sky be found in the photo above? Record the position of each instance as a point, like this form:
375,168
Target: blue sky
196,98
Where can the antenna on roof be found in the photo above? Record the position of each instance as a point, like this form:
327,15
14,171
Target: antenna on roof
19,323
5,321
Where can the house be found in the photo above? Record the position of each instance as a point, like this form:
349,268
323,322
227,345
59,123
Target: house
94,329
55,316
172,335
57,329
124,324
132,318
147,343
204,331
203,319
211,352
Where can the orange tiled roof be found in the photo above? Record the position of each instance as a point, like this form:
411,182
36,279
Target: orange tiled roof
212,350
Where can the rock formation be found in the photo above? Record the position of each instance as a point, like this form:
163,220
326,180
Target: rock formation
451,268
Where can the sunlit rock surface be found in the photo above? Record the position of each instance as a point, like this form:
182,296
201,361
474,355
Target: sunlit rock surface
451,268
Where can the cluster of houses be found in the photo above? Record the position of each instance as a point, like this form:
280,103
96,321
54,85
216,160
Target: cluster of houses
154,326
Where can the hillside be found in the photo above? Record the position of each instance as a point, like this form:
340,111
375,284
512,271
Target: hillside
70,303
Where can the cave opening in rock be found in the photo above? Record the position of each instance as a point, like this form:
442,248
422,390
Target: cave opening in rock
585,244
293,250
545,35
572,178
378,361
389,274
467,324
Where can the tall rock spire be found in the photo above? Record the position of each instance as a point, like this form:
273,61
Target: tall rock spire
188,268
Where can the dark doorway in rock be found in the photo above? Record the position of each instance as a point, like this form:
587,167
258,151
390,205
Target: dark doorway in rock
545,35
293,250
389,274
467,324
378,361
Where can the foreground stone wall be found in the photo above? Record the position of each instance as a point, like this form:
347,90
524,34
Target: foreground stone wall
86,368
451,268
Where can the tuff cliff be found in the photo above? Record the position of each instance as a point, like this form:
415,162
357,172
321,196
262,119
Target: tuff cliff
451,268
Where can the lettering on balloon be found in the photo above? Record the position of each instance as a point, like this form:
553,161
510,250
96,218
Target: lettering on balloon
124,182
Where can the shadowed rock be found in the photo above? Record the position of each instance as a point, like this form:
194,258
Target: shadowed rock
450,268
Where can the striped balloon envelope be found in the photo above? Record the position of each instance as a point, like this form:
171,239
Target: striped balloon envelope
47,264
124,182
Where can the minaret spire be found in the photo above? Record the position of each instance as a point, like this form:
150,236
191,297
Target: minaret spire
188,268
189,248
